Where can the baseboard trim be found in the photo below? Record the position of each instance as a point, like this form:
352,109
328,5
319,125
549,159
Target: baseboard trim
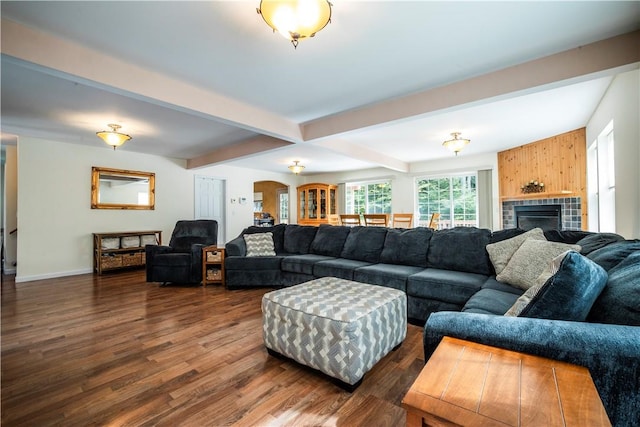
22,279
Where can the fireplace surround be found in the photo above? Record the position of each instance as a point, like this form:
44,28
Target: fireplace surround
570,211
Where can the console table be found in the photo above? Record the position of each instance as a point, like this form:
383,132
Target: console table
470,384
112,251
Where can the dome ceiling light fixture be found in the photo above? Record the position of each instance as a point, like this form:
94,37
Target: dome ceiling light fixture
296,168
296,20
113,137
456,144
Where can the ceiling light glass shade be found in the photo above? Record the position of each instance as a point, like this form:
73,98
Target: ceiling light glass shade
296,19
113,137
456,144
296,168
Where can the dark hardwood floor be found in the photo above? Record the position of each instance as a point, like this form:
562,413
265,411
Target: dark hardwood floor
115,350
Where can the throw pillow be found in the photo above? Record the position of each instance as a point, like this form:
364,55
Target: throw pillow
619,302
501,252
568,294
530,260
259,244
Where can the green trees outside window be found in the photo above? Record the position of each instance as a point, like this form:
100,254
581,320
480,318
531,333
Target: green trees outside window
454,197
369,197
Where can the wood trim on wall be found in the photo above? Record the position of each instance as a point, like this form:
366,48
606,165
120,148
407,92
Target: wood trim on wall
559,161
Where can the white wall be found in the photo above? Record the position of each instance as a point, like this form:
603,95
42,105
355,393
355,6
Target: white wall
10,205
403,186
54,214
621,103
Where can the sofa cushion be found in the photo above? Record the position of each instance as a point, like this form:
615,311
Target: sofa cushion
507,233
364,244
492,283
500,253
298,238
619,302
612,254
490,301
302,263
339,267
445,285
252,263
406,246
329,240
566,236
568,294
530,260
596,241
259,244
389,275
460,249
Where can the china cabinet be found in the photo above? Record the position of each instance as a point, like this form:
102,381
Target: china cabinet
317,204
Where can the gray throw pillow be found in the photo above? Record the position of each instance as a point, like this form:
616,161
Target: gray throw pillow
568,294
501,252
530,260
259,244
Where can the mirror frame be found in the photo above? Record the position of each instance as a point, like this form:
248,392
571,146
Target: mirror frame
95,188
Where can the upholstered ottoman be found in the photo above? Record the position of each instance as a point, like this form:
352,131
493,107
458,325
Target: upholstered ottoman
337,326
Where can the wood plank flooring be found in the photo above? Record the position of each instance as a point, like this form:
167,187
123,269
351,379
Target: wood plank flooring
115,350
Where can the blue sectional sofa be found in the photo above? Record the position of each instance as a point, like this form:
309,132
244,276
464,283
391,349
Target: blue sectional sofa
452,290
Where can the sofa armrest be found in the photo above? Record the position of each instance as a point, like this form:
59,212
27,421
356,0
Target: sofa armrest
610,352
236,247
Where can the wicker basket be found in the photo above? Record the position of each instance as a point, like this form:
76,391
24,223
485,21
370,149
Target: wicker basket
110,261
214,274
214,256
131,259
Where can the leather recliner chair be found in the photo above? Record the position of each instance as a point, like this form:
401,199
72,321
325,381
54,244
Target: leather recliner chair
181,261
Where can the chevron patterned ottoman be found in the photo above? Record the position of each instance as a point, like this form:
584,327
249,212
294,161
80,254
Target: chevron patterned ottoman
337,326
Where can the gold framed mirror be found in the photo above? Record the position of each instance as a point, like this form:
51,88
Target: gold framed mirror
122,189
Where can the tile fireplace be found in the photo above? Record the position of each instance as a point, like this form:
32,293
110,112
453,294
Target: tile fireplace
563,213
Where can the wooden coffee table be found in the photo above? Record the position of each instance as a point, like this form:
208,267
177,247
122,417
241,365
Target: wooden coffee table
471,384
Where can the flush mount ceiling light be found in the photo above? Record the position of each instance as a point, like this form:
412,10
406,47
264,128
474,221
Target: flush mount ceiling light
113,137
456,144
296,168
296,19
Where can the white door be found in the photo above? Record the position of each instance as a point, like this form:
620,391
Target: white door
209,200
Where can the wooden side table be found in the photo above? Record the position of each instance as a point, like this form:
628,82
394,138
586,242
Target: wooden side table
212,265
471,384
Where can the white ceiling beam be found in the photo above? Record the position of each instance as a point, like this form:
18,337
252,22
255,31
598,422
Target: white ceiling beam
571,64
240,149
105,72
364,154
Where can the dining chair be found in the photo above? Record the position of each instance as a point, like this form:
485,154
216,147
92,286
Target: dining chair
402,220
433,222
376,220
350,220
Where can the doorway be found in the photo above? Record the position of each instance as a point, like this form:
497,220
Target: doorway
273,206
209,202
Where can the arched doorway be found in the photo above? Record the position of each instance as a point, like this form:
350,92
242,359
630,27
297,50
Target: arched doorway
270,203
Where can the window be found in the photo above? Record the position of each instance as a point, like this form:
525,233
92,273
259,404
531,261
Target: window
454,197
368,197
283,206
602,182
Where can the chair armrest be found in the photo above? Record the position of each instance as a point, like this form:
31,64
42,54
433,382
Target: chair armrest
157,249
610,352
236,247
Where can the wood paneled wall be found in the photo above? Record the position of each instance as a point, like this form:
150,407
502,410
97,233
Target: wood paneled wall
559,161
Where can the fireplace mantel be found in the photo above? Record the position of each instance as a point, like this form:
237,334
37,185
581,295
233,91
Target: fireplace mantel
537,196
